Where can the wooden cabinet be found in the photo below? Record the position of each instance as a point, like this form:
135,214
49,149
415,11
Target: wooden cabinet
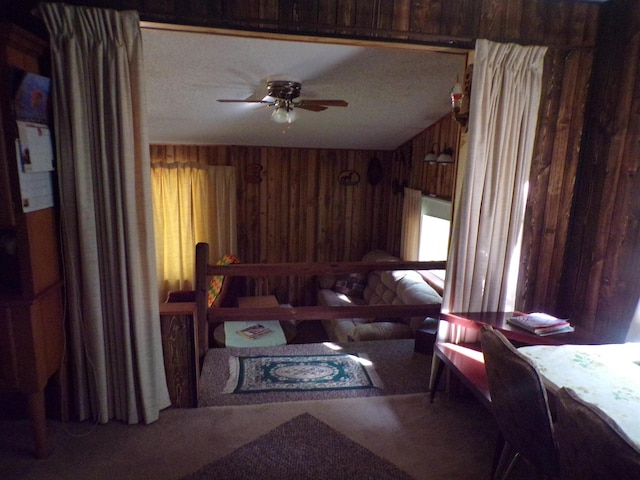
31,295
180,352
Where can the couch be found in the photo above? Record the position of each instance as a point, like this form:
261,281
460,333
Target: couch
379,287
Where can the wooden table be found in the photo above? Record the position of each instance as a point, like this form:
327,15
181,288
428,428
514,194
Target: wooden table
466,360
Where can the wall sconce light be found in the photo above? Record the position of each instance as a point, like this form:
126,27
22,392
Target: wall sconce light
446,156
432,156
460,96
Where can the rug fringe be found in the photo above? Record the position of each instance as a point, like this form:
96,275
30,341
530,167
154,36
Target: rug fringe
234,375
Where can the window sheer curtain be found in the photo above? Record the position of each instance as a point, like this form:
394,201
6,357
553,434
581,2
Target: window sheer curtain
411,218
490,205
192,203
114,348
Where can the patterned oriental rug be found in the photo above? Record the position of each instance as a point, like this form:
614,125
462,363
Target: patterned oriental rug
303,448
300,373
401,370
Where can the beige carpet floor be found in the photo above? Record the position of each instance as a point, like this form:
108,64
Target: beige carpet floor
453,438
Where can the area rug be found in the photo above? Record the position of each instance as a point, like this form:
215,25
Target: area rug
303,448
268,373
400,368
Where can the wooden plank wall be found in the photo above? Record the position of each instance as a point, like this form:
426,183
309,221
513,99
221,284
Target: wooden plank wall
601,278
568,28
299,211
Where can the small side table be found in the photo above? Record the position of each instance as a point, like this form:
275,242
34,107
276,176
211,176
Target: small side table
426,335
288,327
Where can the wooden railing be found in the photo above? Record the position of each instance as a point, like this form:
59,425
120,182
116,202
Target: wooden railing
218,314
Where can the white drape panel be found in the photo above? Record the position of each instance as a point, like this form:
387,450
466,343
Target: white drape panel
633,334
192,203
489,210
411,218
105,191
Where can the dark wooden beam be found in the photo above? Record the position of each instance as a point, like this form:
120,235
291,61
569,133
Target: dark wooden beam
317,268
218,315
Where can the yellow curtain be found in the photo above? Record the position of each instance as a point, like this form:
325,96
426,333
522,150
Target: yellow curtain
192,203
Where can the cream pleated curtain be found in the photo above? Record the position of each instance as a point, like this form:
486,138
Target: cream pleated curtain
114,350
411,222
490,205
192,203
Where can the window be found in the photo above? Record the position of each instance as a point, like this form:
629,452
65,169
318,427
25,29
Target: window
435,226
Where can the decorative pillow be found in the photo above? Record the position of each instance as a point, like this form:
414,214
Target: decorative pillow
352,284
215,282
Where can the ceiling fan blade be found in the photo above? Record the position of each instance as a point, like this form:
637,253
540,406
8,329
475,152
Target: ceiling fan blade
245,101
327,103
313,108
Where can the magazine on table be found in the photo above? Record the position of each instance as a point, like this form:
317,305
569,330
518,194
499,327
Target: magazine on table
254,331
541,323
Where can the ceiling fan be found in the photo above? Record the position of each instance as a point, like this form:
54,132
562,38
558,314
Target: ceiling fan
281,94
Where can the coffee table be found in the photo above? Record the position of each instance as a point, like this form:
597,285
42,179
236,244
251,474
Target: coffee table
284,330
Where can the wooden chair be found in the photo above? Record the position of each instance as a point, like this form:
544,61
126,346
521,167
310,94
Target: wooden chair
520,406
591,445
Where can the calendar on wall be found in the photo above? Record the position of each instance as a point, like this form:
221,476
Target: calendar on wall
34,145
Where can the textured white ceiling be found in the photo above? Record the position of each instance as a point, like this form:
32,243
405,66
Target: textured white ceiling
393,93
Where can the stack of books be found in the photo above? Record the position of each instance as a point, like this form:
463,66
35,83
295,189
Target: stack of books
541,323
254,331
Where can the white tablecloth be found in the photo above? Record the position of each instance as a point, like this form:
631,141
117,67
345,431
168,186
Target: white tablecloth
605,375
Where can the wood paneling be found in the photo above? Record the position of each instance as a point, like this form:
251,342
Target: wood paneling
568,267
601,276
181,363
551,190
299,211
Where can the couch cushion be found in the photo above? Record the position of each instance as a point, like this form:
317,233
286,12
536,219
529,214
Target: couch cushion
380,331
330,298
416,292
392,277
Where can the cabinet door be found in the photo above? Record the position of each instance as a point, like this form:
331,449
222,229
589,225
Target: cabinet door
7,217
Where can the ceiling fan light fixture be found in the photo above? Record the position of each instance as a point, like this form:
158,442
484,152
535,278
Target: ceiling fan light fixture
284,114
